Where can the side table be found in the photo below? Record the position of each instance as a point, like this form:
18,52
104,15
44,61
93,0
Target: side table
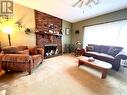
79,51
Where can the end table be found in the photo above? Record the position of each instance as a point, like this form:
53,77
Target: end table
79,51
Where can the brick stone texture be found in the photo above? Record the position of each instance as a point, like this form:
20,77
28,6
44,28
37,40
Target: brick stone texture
43,22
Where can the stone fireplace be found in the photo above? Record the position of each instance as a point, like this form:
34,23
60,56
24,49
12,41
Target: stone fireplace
48,34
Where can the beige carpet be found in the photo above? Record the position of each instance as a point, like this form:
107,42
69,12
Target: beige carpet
61,76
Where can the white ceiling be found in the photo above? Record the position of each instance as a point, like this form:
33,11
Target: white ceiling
64,10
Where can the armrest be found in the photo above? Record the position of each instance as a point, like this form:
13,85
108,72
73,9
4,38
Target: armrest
121,55
17,58
40,51
117,60
83,51
1,56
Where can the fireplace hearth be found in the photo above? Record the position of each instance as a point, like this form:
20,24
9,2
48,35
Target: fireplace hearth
50,50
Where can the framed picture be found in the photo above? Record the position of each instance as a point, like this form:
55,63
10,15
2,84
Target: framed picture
77,32
67,31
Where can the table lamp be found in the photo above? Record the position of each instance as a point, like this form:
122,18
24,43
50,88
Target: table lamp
78,44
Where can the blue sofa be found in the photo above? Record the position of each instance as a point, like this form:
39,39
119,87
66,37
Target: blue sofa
110,54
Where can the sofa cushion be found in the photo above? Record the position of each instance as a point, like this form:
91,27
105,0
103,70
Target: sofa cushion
16,58
93,54
23,52
96,48
10,50
113,51
89,48
104,49
105,57
21,48
33,51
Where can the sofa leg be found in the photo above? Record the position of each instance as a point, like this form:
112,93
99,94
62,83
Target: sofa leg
29,73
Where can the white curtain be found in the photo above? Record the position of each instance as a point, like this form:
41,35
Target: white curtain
114,33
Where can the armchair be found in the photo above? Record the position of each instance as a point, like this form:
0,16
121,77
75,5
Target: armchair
23,58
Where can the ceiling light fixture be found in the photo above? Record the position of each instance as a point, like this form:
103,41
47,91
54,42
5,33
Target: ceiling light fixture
85,3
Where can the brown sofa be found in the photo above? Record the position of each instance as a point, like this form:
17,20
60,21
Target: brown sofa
21,58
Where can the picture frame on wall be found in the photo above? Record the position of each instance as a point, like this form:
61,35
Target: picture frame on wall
67,31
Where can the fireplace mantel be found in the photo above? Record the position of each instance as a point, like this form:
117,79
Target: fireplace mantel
51,45
51,34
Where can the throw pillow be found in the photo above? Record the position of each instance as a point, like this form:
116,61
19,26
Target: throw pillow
10,50
113,51
97,48
21,48
33,51
105,49
89,48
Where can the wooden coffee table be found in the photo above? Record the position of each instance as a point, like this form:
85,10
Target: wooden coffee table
103,66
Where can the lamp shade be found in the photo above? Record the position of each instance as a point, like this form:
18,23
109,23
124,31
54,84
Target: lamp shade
7,30
78,44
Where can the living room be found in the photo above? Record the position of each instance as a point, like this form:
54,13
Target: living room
49,36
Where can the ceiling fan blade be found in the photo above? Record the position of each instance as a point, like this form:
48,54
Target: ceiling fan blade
76,3
81,4
89,1
96,2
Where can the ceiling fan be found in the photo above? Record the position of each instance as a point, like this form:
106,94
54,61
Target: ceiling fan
82,3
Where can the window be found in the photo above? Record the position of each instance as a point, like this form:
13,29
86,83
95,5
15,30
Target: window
114,33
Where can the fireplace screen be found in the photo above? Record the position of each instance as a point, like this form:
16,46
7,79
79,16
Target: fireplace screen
50,50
